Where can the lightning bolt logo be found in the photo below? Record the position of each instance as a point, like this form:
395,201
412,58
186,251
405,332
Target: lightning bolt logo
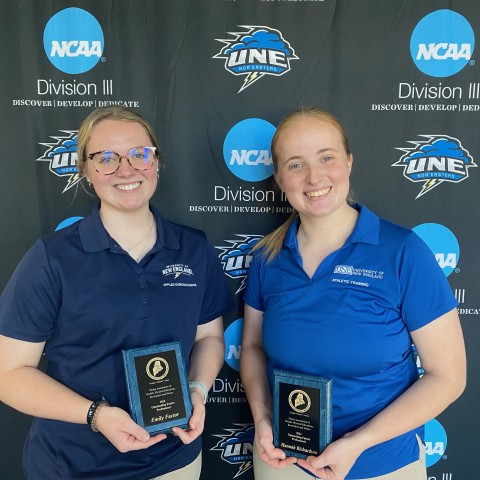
256,52
428,185
243,468
437,159
237,446
236,257
62,157
249,79
73,180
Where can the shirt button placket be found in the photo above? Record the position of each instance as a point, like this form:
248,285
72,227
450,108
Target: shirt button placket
143,287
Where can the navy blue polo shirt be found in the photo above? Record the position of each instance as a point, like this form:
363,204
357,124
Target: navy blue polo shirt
351,322
88,299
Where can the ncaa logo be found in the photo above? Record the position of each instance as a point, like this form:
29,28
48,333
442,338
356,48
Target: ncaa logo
442,43
73,40
246,149
435,442
233,343
442,242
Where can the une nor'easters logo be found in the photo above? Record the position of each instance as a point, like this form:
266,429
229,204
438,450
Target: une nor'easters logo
61,154
256,52
437,159
236,446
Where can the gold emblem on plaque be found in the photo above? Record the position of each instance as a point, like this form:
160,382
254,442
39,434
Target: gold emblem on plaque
299,401
157,368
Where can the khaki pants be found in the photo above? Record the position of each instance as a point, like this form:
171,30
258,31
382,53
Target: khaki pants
413,471
189,472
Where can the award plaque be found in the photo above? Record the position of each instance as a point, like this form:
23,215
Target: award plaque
157,383
302,413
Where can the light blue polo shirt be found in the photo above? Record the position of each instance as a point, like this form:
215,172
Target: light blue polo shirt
351,322
88,299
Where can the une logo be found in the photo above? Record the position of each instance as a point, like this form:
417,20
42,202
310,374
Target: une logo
73,40
246,149
442,43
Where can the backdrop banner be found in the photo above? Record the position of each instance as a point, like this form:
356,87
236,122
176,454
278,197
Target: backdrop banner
214,77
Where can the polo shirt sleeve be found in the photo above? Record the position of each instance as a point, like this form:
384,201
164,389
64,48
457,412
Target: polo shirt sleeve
29,303
425,291
218,298
253,292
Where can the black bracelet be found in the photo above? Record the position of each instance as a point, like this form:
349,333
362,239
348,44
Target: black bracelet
93,411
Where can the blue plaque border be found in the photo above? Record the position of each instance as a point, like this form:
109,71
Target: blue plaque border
133,388
324,385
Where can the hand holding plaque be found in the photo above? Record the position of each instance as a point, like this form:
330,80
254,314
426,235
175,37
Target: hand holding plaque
302,413
157,383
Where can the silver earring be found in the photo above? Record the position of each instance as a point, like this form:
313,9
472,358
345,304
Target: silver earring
89,182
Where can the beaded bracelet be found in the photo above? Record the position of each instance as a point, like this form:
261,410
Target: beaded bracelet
201,387
93,413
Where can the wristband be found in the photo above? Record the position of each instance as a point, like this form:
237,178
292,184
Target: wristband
93,413
200,387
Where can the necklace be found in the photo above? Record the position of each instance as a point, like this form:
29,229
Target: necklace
143,242
128,249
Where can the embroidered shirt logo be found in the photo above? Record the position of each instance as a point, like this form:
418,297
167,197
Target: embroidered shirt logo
361,272
176,271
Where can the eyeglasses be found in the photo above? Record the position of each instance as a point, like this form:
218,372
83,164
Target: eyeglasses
108,162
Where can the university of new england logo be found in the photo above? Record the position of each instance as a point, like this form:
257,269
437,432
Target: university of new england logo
237,256
236,446
256,52
62,157
438,159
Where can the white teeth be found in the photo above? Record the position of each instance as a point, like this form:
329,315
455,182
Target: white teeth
318,193
129,186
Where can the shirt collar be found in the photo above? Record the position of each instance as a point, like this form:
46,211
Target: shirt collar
95,238
366,230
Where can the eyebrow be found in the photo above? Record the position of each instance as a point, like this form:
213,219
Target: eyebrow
319,152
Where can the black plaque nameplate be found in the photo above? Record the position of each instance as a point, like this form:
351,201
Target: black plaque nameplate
302,413
157,384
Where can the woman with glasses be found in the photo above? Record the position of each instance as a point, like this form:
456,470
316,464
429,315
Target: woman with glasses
338,292
120,279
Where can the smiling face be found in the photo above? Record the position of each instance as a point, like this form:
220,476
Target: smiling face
313,166
127,189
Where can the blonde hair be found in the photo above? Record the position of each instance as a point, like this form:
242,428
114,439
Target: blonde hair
113,112
272,243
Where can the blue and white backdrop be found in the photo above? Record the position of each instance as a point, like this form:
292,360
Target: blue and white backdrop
214,77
